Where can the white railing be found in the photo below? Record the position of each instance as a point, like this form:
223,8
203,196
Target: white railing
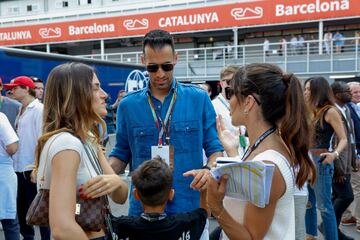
204,63
123,7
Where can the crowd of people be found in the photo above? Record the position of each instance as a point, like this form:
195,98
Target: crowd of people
170,135
296,45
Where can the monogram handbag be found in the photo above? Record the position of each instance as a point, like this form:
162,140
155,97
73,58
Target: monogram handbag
90,214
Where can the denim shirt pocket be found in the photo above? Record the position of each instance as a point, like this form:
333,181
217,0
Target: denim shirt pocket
143,140
186,136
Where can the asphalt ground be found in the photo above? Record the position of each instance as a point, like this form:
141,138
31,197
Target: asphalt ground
119,210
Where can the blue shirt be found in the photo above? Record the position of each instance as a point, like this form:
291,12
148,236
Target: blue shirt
193,128
338,39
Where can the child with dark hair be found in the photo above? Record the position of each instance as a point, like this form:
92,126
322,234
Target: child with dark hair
153,187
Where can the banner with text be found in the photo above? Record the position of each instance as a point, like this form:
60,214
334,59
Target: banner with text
261,12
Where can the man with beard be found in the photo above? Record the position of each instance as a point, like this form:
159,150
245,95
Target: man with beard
167,118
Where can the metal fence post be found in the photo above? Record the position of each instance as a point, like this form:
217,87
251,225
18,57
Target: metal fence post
307,57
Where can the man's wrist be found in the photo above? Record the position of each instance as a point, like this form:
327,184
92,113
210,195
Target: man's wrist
206,167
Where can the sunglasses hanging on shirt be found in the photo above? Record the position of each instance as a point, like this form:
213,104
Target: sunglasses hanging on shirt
155,67
229,92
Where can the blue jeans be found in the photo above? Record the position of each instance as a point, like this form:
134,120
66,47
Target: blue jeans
11,229
320,196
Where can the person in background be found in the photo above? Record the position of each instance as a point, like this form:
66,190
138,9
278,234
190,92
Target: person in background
342,192
39,88
327,121
222,106
282,46
270,104
120,96
153,182
175,116
8,180
207,88
9,94
352,215
29,129
70,132
293,45
9,107
328,42
266,47
339,42
300,44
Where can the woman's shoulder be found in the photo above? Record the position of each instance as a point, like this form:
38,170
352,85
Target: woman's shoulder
269,154
331,113
64,141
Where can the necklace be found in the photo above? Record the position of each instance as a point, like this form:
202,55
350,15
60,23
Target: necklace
249,150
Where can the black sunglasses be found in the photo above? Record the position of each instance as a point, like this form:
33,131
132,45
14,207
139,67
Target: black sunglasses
155,67
229,92
36,79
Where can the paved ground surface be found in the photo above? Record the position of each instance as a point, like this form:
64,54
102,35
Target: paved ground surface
122,209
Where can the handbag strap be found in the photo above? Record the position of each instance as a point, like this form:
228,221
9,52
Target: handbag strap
42,179
94,160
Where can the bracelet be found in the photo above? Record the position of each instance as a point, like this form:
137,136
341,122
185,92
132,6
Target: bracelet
221,213
336,153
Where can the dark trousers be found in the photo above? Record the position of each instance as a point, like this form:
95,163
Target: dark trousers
26,194
11,229
342,197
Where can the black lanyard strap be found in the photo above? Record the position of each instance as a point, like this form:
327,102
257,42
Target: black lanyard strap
257,142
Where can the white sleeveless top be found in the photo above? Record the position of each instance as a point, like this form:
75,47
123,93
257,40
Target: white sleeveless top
283,223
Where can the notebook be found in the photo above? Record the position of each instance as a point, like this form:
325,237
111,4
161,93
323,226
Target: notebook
248,180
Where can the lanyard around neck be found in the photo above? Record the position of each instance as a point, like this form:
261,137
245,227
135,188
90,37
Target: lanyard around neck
257,142
159,121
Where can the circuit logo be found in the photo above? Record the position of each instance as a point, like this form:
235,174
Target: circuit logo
247,13
50,32
136,80
136,24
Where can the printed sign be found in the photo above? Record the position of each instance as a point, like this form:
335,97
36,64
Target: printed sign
241,14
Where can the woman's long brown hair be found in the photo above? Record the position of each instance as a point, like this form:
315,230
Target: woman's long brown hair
282,105
68,105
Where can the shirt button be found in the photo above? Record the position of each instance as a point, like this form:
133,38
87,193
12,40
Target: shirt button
158,107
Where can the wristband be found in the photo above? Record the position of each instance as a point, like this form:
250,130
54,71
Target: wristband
206,167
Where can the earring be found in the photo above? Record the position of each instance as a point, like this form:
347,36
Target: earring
246,111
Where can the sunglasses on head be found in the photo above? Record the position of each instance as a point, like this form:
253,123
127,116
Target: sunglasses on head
155,67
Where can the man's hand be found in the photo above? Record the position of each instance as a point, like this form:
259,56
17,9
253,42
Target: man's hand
200,178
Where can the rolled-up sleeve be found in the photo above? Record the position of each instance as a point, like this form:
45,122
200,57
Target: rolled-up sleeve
122,149
211,142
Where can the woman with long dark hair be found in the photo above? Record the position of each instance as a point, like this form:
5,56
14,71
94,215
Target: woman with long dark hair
327,122
73,106
270,104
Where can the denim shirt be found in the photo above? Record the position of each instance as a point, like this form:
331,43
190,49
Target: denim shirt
192,129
